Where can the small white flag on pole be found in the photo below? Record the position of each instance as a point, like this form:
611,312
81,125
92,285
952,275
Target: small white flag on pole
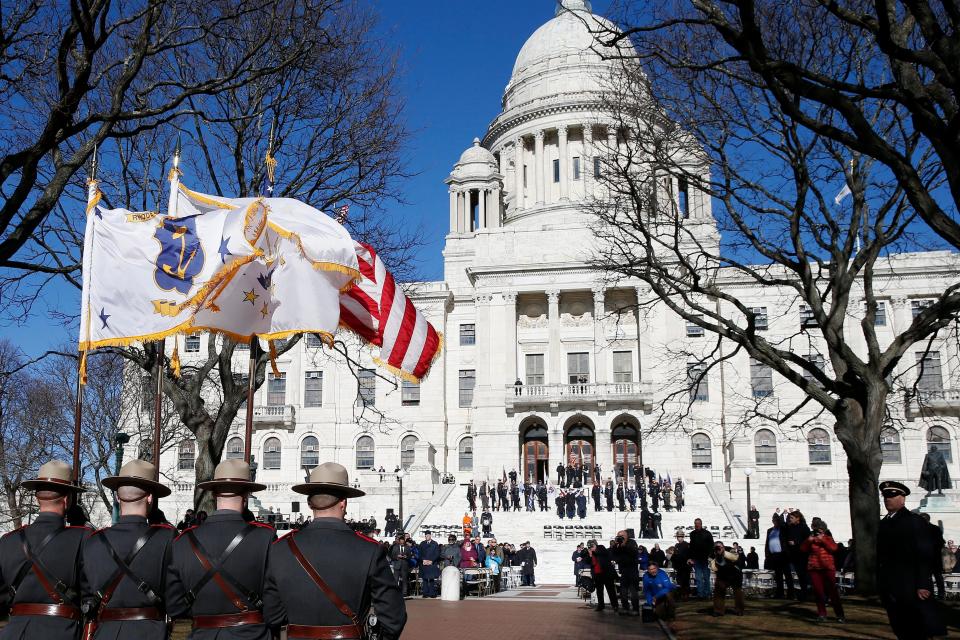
843,194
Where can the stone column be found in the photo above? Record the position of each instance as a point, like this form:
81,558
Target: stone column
453,212
484,343
643,337
510,346
518,173
496,212
482,222
612,140
538,166
564,162
467,212
587,162
599,342
556,369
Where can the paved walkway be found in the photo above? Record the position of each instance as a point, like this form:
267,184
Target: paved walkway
551,612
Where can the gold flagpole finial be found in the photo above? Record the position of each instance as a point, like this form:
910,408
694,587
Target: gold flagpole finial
175,169
93,163
270,139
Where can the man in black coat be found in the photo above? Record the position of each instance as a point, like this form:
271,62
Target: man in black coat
125,567
581,504
561,503
400,552
528,557
430,564
776,558
620,504
571,504
240,550
595,494
324,578
472,496
542,496
624,553
682,563
36,610
604,576
515,497
561,470
701,546
905,555
608,494
796,532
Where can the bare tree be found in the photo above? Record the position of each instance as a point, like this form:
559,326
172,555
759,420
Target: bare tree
697,128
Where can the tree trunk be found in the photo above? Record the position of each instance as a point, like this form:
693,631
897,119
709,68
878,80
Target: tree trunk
15,514
205,465
859,432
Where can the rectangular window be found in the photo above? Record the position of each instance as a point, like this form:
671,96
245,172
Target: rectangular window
917,306
596,167
409,394
761,379
468,334
760,321
313,389
242,346
276,390
313,340
367,395
807,321
534,368
524,176
699,391
576,167
816,360
623,366
694,330
556,171
191,344
578,368
468,379
683,198
928,372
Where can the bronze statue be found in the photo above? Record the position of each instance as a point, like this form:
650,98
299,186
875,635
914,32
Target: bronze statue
934,475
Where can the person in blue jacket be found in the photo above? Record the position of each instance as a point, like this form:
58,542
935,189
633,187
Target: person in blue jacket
658,589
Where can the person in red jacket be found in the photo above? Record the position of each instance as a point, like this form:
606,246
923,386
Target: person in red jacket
822,569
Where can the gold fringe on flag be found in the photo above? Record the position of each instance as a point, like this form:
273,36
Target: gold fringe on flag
175,359
83,367
271,163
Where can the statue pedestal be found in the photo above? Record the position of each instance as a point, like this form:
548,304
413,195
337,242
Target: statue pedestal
934,503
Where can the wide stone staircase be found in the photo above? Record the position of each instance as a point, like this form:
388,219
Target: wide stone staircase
555,565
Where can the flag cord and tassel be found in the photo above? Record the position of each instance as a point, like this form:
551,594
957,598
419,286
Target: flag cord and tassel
175,359
273,359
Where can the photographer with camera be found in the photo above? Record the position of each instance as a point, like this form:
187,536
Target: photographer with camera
597,558
625,552
723,562
822,568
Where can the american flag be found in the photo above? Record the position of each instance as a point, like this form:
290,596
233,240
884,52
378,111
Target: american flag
342,213
378,311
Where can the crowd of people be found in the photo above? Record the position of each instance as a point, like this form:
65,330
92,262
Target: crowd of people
426,560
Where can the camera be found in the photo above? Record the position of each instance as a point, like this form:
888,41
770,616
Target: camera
619,539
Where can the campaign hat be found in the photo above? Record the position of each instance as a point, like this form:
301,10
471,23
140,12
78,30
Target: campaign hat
55,475
140,474
329,479
231,476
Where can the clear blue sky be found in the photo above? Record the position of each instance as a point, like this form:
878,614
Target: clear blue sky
457,56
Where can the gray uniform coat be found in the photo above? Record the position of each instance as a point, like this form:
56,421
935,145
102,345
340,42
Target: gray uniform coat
62,557
354,566
150,565
247,563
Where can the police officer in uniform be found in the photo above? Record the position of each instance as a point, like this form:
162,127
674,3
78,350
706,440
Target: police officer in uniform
221,564
125,566
323,579
905,556
40,564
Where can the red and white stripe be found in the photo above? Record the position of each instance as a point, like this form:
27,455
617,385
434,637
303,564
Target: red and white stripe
378,311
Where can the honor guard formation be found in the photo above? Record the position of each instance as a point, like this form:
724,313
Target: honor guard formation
230,576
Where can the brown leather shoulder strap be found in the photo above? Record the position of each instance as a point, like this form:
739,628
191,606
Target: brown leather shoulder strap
324,587
214,573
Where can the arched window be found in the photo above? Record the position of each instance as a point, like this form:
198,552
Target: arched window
271,453
890,445
365,452
466,454
701,451
309,452
938,439
407,450
765,447
818,446
235,448
186,455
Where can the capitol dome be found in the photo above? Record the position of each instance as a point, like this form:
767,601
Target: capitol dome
476,162
562,57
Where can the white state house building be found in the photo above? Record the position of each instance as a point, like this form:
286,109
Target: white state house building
518,302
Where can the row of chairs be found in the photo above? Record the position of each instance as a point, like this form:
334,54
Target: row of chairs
572,531
726,529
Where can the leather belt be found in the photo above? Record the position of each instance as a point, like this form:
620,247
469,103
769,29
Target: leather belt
346,632
227,620
128,614
54,610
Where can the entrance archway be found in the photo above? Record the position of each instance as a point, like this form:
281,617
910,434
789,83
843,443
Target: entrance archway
534,451
625,441
580,443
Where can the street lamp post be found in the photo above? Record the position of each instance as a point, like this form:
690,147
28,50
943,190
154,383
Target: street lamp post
750,533
400,475
119,440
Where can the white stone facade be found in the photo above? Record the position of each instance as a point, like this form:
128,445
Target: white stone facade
518,300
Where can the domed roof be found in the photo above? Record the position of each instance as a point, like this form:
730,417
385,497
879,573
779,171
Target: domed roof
477,154
476,163
552,60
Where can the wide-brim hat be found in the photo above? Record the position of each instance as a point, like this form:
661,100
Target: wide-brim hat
331,479
231,476
55,475
140,474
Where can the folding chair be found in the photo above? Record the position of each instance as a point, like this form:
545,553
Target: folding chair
547,531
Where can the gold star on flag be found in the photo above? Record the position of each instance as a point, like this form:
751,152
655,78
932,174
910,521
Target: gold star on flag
250,296
265,310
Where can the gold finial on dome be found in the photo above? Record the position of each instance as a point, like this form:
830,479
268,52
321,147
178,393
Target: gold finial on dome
573,5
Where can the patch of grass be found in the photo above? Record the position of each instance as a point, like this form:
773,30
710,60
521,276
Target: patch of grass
866,620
